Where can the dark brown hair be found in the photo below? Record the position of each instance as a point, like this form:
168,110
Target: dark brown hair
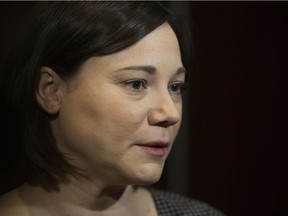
63,35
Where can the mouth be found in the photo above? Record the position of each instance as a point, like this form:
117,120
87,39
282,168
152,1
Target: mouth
155,148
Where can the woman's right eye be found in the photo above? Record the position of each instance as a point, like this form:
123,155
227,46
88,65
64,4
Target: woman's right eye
136,85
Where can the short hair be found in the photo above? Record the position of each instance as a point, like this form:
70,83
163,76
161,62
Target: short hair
63,35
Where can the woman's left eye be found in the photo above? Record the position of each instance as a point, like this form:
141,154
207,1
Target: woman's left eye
136,85
177,88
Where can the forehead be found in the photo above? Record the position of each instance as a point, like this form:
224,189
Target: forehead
158,46
159,49
162,38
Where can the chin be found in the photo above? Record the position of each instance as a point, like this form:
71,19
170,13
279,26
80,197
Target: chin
149,174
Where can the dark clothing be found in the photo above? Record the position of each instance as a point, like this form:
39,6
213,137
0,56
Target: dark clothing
172,204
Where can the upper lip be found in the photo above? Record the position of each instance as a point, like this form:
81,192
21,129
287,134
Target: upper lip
156,143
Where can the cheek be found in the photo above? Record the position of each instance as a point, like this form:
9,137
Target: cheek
125,121
110,116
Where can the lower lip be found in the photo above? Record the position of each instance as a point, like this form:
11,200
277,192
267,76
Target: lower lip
159,152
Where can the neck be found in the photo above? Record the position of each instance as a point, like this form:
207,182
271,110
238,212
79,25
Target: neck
79,194
89,194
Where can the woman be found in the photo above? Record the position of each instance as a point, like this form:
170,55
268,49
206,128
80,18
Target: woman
97,89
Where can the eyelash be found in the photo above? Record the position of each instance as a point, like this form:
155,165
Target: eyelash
142,85
130,83
181,87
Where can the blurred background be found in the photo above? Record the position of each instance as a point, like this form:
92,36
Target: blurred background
231,147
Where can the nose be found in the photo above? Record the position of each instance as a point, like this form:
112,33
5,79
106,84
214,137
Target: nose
165,112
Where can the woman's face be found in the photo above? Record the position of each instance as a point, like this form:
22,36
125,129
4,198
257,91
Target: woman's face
120,115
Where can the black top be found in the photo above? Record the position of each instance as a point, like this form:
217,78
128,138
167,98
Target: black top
173,204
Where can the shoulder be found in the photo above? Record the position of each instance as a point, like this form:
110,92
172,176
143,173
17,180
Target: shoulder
11,204
173,204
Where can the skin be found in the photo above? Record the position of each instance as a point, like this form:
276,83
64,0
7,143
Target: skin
106,110
112,105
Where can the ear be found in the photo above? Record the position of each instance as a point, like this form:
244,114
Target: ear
49,89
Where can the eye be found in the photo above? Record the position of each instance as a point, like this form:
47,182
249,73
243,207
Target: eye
177,88
136,85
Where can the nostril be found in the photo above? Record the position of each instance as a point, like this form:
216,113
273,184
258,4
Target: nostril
165,124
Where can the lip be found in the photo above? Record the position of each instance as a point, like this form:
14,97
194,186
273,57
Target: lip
154,148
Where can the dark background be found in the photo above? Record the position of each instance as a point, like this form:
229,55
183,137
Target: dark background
231,148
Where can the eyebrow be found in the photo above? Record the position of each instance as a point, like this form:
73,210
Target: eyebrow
151,69
181,70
